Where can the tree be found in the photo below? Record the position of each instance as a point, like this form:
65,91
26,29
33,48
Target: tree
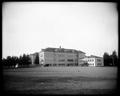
20,61
37,59
114,58
27,60
14,60
24,60
106,58
10,61
4,62
110,60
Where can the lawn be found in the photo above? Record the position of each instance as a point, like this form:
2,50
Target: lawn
61,80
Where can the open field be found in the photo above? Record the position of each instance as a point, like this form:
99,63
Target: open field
61,80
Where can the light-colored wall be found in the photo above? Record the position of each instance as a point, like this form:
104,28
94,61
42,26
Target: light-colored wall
81,61
72,56
99,63
57,57
90,61
41,57
93,61
81,55
81,58
49,57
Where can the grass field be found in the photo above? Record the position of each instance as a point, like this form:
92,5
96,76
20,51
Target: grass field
61,80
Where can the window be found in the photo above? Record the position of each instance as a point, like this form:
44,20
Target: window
54,64
70,60
99,63
99,60
62,60
61,64
42,60
60,55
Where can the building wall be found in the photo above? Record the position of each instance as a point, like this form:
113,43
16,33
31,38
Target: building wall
49,57
99,62
72,58
81,61
81,55
59,58
41,58
93,61
66,59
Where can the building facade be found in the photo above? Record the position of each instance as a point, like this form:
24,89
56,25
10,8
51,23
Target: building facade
33,57
65,57
60,57
94,60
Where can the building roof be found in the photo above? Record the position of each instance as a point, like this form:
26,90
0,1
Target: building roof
81,52
49,49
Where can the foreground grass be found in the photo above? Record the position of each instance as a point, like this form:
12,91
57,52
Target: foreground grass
60,80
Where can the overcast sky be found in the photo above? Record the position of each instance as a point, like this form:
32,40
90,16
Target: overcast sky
29,27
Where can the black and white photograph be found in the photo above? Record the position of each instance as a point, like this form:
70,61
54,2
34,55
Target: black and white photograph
60,48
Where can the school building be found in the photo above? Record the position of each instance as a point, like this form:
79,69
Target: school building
65,57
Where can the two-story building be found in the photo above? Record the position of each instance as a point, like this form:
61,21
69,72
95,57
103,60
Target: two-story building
94,60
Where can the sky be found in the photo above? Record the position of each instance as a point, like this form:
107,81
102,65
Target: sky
28,27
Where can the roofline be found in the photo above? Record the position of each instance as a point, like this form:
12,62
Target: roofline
63,49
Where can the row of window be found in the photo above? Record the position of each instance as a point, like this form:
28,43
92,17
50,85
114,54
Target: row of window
62,60
73,64
69,60
91,63
90,60
59,55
